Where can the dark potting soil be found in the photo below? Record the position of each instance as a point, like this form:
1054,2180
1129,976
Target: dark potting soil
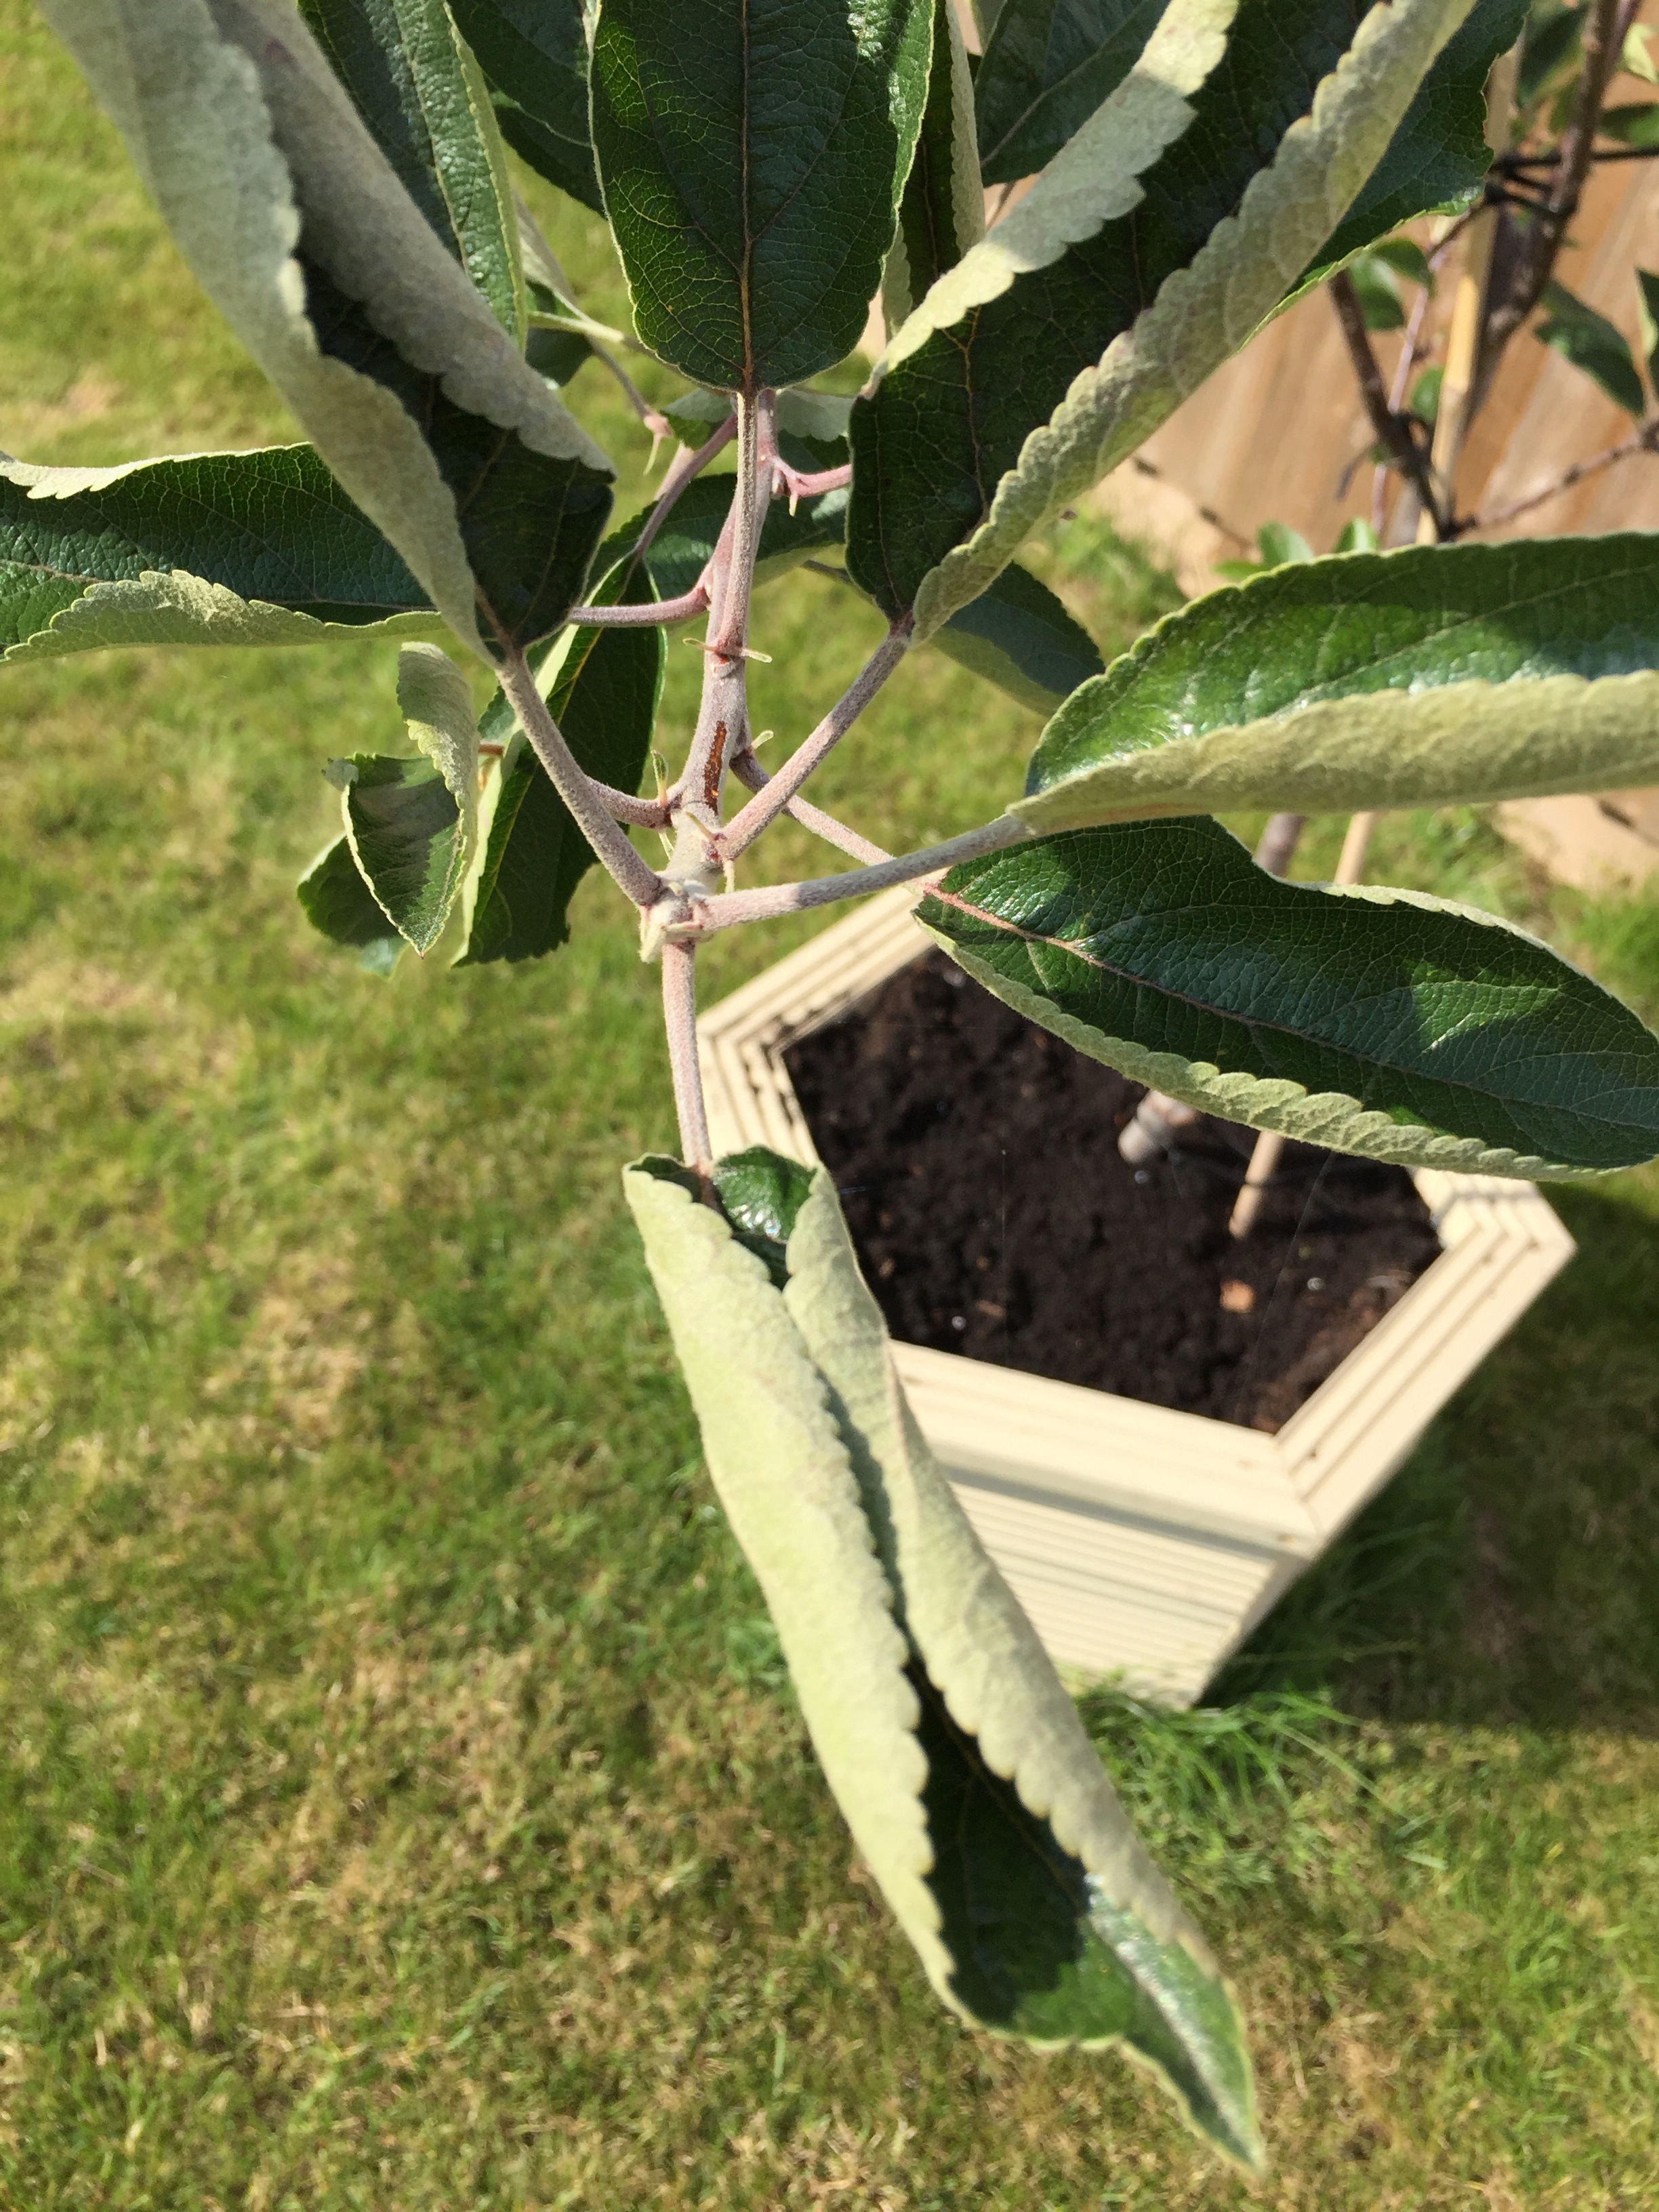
978,1162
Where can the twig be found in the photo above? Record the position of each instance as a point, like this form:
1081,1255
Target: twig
653,417
1515,162
685,464
1605,22
741,831
588,810
748,769
679,1012
1393,430
1644,440
723,909
792,483
643,614
1397,396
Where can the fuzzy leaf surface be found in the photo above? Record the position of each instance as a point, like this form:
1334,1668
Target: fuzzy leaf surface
534,52
427,107
301,232
602,687
957,1757
1437,676
215,548
942,210
406,836
339,902
753,154
1378,1022
1148,250
1047,67
1438,156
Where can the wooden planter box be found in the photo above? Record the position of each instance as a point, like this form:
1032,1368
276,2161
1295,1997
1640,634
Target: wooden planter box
1147,1544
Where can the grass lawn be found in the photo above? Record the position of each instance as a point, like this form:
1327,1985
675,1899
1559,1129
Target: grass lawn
401,1805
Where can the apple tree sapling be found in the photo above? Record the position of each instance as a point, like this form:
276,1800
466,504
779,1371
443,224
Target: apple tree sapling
335,175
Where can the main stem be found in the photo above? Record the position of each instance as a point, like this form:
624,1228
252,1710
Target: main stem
679,1011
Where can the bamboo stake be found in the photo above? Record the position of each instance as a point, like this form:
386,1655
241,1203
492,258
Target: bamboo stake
1458,384
1264,1160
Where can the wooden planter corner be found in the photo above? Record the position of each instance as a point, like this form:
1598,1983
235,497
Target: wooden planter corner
1147,1544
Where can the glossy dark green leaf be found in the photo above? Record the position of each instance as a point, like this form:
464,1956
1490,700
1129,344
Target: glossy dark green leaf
339,902
760,1193
951,413
942,212
752,153
1636,125
218,548
1433,676
602,687
1046,66
530,521
534,53
1020,637
1574,330
1438,156
1379,1022
422,96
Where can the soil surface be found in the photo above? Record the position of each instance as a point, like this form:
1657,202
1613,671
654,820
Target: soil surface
977,1159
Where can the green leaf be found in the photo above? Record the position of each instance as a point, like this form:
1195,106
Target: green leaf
1438,157
753,154
1554,40
1636,125
1433,676
1182,211
1358,537
602,687
1047,67
1647,308
1278,545
339,902
1590,342
404,829
956,1755
761,1195
942,212
1379,292
1425,401
411,390
529,520
411,824
216,548
1018,637
1405,256
426,105
1380,1022
534,53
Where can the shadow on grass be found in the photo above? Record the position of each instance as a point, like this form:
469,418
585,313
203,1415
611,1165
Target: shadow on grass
1510,1574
